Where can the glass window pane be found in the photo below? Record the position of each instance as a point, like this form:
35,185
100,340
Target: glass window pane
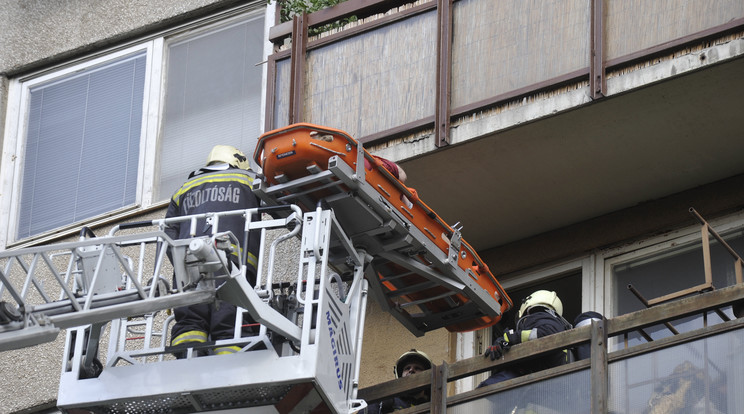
570,393
82,146
703,376
672,271
213,96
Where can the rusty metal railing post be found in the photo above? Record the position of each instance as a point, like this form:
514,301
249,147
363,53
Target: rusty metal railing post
597,81
298,53
444,70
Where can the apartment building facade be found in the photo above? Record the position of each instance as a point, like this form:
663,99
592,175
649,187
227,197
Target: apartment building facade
570,140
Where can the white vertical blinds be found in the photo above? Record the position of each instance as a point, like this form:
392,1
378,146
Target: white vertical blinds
212,96
82,146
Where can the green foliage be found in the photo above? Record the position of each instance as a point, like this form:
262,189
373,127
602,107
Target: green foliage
291,8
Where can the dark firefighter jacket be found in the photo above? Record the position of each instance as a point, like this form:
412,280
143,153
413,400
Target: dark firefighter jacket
209,190
536,325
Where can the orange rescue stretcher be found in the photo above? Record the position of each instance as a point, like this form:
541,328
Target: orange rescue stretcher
424,272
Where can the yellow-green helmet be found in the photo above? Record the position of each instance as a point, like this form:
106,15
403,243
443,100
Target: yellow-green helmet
544,298
230,155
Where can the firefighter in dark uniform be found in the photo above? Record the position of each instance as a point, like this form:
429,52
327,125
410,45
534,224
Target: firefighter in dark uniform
584,350
541,314
224,184
411,362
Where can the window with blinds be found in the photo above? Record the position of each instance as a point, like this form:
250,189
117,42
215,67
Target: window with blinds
82,146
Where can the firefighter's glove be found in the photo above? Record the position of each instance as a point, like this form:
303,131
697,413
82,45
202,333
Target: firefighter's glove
512,338
496,351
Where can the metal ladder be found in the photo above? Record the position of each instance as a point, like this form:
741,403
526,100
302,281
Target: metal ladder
303,356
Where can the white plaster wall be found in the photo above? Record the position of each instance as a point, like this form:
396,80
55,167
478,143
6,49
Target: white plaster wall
37,31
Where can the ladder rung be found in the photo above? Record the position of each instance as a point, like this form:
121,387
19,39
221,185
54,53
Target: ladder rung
463,312
395,276
427,300
302,194
412,289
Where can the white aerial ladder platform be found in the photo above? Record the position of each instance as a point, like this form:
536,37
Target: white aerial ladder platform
304,356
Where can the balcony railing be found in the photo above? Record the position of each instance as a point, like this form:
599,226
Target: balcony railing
700,367
410,66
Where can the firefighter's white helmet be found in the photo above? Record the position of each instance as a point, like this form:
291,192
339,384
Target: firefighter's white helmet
407,357
230,155
544,298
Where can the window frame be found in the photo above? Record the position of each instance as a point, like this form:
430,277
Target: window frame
585,265
17,127
194,33
471,344
672,241
155,47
